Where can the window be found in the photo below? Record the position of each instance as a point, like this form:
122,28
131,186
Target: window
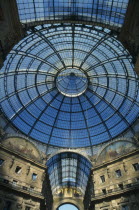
118,173
136,166
34,176
125,207
102,178
128,185
120,186
18,170
31,188
14,182
109,191
104,191
1,162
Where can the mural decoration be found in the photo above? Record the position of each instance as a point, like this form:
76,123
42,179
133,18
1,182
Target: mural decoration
115,150
23,147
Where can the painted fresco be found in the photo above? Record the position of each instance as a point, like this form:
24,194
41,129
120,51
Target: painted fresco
23,147
115,150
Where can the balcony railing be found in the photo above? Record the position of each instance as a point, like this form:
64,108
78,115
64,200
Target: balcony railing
19,187
117,190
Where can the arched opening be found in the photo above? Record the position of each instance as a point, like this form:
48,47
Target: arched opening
67,206
71,172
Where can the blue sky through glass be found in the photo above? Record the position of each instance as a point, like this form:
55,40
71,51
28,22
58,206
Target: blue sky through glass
59,166
67,207
32,102
105,11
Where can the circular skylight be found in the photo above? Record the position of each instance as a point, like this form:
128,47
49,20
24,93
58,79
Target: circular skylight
71,82
69,86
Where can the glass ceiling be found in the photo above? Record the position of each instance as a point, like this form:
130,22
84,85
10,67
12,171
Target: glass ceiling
71,82
68,170
111,12
69,86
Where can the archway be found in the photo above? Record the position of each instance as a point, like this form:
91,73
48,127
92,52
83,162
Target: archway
68,173
67,206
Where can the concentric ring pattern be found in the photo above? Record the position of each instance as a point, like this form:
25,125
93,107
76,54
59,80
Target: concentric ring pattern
32,102
71,82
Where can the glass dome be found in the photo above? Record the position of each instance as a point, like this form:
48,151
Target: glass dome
71,82
69,86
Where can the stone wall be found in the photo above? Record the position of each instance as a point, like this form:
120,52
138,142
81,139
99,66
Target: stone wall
116,181
22,177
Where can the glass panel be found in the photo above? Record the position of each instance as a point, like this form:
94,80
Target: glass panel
68,169
105,11
70,85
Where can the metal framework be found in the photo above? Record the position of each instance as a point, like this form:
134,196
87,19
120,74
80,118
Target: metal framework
68,169
31,101
108,12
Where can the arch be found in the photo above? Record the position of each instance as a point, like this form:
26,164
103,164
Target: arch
71,151
115,149
71,171
76,203
22,146
67,203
